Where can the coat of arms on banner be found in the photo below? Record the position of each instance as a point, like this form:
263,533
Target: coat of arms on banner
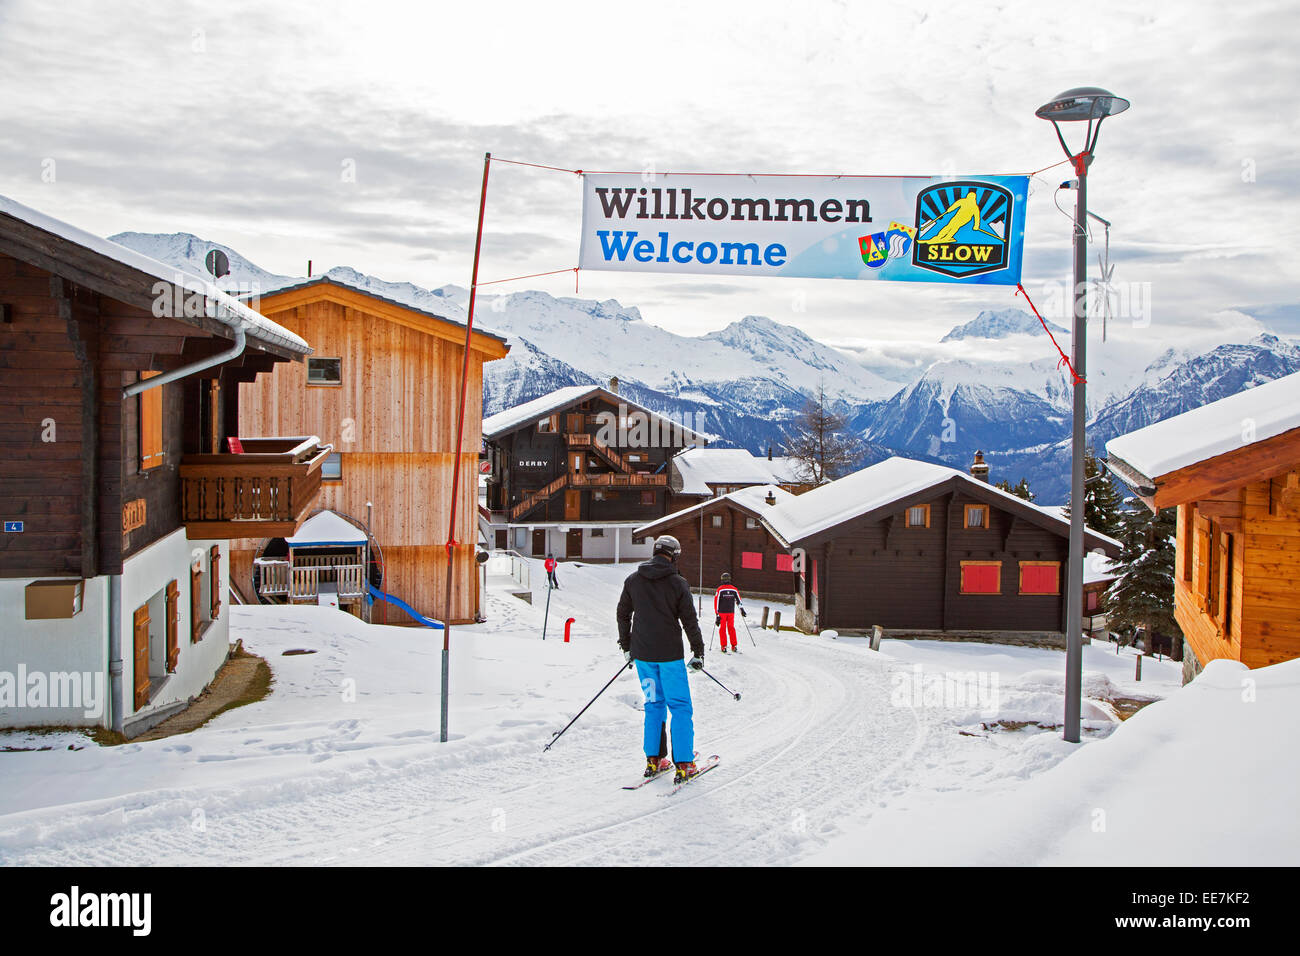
962,228
894,243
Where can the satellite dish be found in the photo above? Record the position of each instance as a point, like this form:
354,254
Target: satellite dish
218,263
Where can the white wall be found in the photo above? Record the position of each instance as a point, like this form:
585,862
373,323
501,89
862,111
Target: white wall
76,644
143,576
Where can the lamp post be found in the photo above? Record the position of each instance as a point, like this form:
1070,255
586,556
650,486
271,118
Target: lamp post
1092,104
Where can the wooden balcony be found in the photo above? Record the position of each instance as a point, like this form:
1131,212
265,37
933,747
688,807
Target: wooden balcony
615,480
263,493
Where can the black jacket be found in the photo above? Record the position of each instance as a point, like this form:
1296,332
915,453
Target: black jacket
655,599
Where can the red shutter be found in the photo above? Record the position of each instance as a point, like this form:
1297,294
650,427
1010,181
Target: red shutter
751,559
981,578
214,580
784,562
173,626
1040,579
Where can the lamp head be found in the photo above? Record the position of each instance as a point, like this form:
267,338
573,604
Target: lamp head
1082,103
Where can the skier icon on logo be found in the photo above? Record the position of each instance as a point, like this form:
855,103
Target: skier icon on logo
962,228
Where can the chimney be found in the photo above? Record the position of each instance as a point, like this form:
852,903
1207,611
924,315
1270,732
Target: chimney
770,499
308,268
613,384
769,452
978,469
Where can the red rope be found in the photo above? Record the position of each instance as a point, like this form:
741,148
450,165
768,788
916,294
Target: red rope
1020,290
638,172
553,272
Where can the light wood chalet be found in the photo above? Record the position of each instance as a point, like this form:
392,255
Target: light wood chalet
119,385
1232,468
384,388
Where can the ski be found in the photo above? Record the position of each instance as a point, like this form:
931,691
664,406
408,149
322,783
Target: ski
708,765
644,780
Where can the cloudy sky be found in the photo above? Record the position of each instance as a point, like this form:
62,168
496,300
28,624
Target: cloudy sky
240,122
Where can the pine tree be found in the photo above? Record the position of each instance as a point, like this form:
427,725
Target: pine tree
1021,490
1101,500
819,443
1143,595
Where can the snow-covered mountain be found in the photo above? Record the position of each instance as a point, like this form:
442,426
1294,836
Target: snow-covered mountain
1001,324
748,381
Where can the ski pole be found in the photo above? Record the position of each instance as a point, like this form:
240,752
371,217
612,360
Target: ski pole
556,736
547,615
745,621
720,684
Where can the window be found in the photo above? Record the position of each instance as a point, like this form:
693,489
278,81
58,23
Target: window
598,494
151,424
634,457
598,532
751,523
647,497
784,562
715,520
977,516
1091,603
981,577
752,560
545,425
332,468
324,371
918,516
1040,577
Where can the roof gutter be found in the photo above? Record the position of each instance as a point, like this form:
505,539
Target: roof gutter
236,350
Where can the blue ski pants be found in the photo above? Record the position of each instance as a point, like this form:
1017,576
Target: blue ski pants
667,691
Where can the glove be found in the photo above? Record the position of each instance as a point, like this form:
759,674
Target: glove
717,621
697,662
627,656
742,613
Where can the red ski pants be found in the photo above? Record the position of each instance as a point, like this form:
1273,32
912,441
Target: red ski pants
728,627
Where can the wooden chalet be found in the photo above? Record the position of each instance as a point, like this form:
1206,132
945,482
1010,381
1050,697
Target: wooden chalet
727,534
1232,468
924,550
119,389
574,472
383,387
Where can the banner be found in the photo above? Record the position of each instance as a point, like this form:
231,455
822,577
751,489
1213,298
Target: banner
912,229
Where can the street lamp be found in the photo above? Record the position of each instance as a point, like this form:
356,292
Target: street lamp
1092,104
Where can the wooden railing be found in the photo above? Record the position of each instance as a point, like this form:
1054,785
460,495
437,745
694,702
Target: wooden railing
272,576
618,481
263,493
537,497
305,583
584,440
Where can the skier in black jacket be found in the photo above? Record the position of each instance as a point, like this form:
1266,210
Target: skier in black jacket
654,607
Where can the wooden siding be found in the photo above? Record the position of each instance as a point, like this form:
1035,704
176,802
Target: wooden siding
723,548
393,422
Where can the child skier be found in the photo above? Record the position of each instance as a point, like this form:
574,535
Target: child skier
725,601
654,607
550,571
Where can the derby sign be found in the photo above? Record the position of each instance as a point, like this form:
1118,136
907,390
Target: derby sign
914,229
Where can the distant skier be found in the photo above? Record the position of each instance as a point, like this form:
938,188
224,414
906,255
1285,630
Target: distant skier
726,599
654,607
550,571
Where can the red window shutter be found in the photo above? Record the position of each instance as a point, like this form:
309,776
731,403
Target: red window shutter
784,562
214,580
981,578
814,577
173,625
1040,579
751,559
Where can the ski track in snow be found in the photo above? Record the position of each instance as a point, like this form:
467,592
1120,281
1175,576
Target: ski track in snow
813,737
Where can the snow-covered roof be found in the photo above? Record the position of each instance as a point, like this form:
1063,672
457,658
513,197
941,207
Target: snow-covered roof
224,308
327,529
539,408
877,487
752,498
327,280
1261,412
701,467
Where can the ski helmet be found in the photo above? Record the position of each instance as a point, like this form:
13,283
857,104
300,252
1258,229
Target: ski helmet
726,577
667,544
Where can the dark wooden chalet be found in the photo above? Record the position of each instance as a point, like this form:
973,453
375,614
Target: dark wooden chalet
574,472
118,391
926,550
727,534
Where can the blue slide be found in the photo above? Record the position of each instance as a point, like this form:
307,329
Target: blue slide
426,621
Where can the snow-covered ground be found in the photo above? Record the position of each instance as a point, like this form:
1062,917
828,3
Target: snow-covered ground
834,753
